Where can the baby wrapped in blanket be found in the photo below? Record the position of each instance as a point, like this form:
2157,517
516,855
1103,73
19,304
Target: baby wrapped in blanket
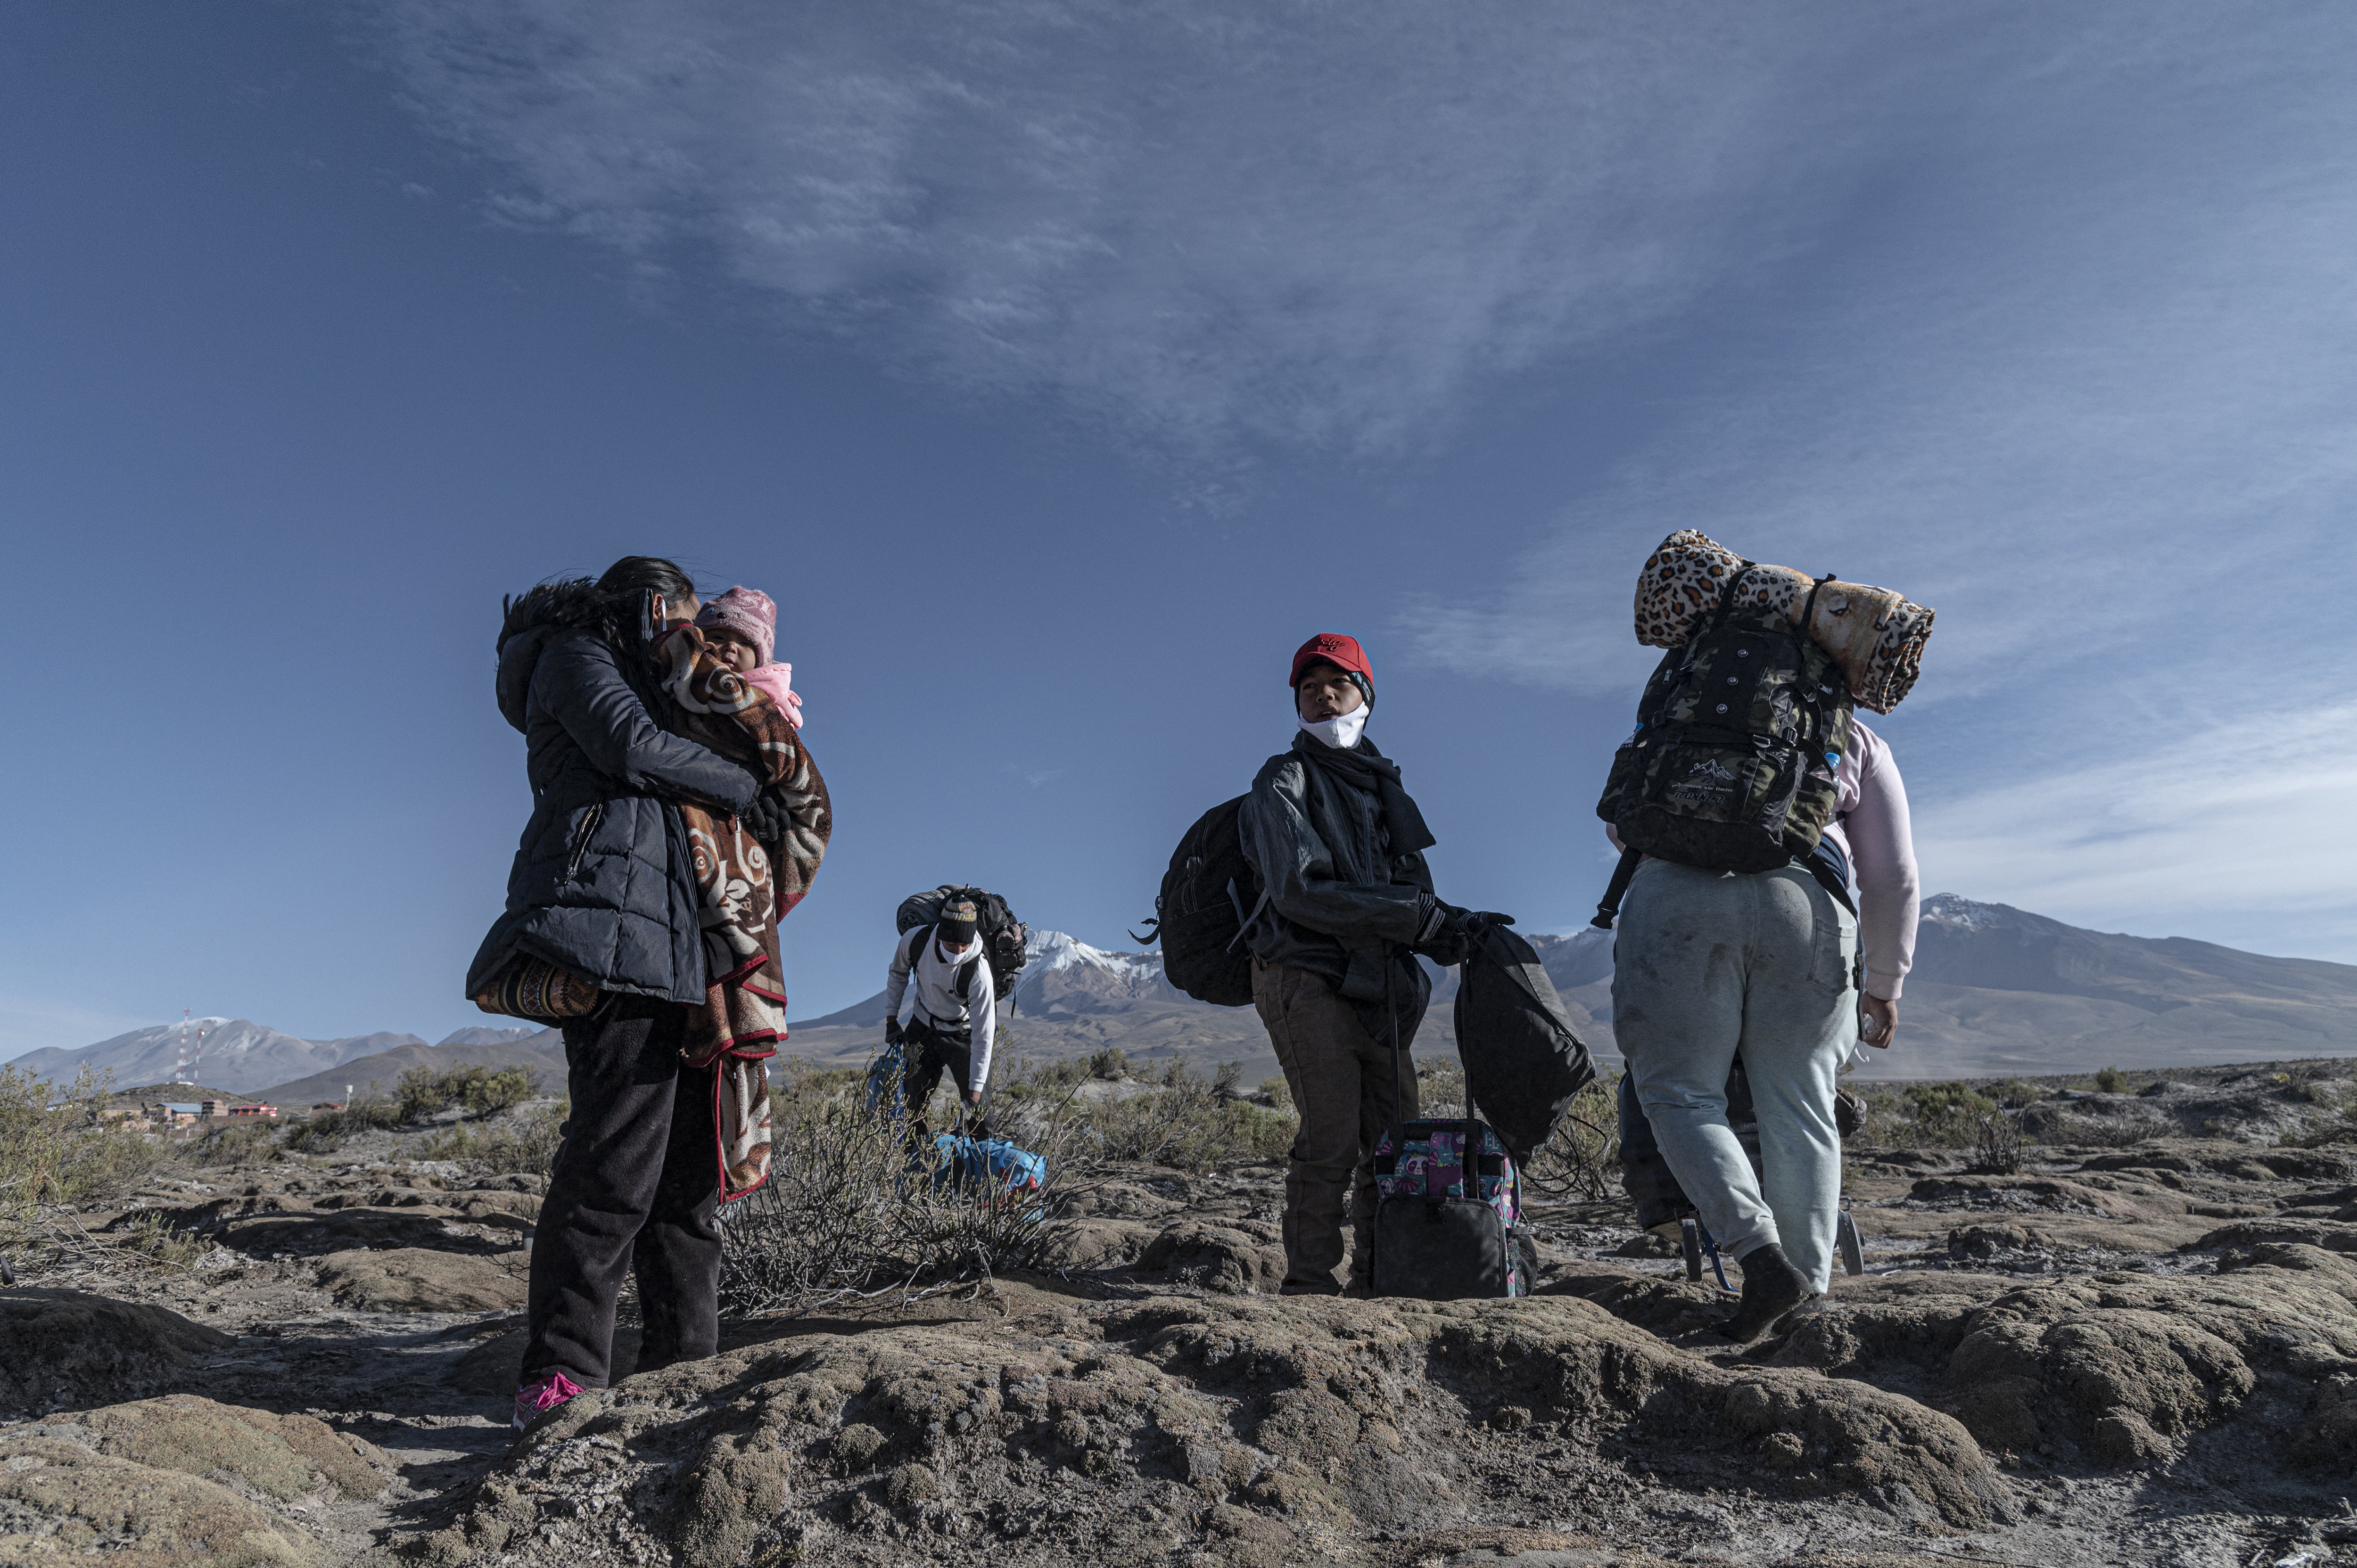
744,889
1874,635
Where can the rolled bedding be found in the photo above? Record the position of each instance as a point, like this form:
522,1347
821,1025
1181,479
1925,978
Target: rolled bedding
1874,634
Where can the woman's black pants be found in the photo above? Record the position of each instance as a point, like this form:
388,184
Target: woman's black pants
636,1185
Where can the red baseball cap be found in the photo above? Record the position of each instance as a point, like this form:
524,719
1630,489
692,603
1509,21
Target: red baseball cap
1343,652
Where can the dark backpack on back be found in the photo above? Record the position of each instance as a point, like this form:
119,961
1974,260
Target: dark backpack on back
1001,933
1209,894
1523,1062
1738,733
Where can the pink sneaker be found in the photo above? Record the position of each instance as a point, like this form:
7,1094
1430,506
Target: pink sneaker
535,1400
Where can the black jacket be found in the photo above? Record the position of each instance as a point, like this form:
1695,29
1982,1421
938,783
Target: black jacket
1341,904
601,884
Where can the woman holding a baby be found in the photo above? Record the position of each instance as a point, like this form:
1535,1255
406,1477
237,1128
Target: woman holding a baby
674,816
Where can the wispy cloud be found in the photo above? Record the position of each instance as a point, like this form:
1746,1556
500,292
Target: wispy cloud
2041,314
2239,826
1208,218
2080,377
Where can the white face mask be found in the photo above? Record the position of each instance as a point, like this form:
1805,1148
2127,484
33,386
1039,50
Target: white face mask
1340,732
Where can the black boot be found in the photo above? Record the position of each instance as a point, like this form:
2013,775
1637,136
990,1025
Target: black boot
1771,1287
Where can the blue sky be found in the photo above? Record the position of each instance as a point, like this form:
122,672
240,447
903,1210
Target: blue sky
1058,367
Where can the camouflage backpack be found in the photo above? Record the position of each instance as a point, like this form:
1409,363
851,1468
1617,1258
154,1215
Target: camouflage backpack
1738,733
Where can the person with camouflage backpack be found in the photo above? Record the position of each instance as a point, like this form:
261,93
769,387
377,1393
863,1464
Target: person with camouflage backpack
1742,803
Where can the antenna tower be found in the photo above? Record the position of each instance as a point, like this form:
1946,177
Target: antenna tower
191,1051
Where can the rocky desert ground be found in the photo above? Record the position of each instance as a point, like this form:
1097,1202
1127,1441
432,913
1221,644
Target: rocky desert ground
2138,1347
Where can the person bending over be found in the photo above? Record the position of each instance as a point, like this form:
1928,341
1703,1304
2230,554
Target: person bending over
954,1018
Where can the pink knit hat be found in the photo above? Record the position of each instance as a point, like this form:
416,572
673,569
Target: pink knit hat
747,612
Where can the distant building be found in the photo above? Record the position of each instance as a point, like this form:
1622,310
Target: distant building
255,1112
173,1115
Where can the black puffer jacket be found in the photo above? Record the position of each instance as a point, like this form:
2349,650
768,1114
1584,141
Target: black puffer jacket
1341,904
601,883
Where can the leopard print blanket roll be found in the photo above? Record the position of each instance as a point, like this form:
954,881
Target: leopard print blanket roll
1875,634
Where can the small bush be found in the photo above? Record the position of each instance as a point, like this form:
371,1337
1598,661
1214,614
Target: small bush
159,1241
1997,1143
526,1141
1279,1092
2016,1092
1183,1124
478,1090
1947,1115
2112,1080
55,1149
1109,1064
326,1130
238,1144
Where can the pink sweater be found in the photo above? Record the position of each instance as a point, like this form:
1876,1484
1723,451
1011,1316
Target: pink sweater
1870,822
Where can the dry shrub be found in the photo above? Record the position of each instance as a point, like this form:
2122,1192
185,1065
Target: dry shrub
1945,1115
55,1148
526,1140
325,1131
159,1241
1580,1161
238,1144
2112,1080
478,1090
852,1210
1182,1122
1997,1143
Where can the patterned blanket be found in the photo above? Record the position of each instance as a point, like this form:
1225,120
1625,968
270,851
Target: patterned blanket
744,892
1874,634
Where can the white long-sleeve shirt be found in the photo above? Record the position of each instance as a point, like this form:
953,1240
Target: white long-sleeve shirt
1872,829
935,971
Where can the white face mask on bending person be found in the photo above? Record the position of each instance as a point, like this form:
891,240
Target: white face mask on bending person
1341,732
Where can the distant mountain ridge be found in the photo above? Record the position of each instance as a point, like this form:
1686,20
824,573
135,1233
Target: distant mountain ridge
242,1056
1995,990
235,1054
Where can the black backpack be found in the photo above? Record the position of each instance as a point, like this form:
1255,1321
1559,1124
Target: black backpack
1002,934
1523,1062
1209,895
1731,764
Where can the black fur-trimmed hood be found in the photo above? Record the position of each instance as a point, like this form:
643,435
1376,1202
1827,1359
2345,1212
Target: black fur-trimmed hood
535,619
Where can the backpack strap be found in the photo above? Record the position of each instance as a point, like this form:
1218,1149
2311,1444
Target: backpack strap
1244,921
1608,910
1726,595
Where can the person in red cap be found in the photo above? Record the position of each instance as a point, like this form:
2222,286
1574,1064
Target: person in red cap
1340,845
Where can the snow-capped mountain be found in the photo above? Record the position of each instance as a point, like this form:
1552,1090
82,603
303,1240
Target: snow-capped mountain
1063,975
234,1054
481,1035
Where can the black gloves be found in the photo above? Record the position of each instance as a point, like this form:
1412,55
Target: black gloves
765,817
1448,933
891,1031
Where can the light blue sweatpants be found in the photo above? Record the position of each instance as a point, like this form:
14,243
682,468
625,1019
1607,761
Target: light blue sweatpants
1707,964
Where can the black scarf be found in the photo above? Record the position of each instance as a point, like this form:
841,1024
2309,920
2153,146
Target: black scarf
1367,768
